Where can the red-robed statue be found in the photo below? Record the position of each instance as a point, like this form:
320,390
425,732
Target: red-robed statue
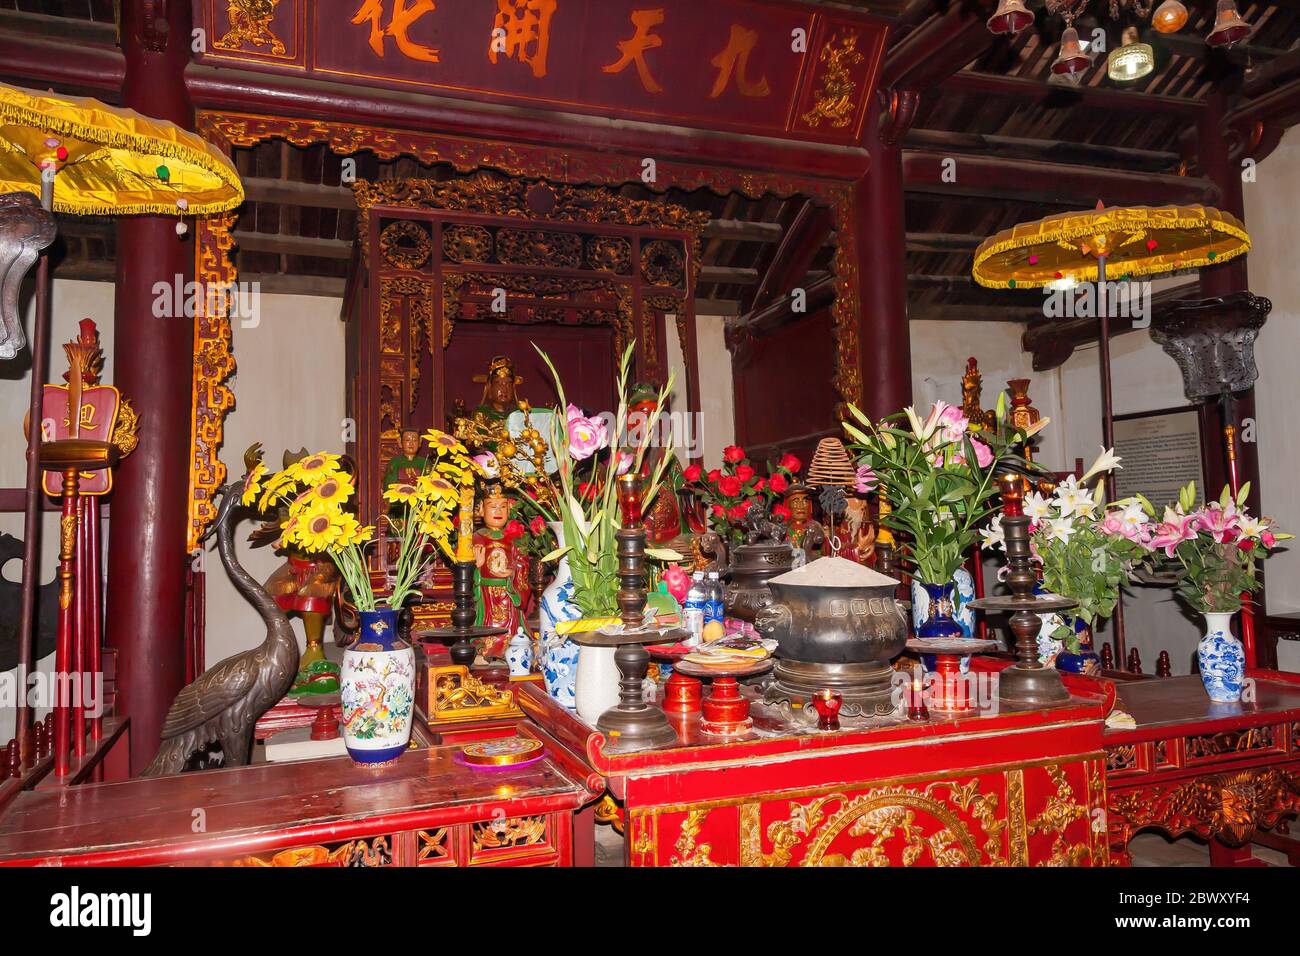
501,575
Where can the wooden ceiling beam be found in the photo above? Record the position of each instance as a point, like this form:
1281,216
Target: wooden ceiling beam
819,294
1267,76
942,242
965,312
1052,341
1050,94
293,245
1045,150
1024,180
809,229
937,48
1281,107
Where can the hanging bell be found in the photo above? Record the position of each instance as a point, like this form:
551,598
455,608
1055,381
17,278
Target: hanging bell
1170,17
1010,17
1071,61
1229,27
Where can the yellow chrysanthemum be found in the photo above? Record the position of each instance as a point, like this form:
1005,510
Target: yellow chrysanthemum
276,488
320,530
401,493
437,487
314,469
335,490
253,483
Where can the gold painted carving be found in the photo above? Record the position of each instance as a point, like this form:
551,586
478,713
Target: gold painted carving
514,833
685,850
250,22
126,431
1058,813
435,846
1017,832
1230,806
405,245
459,695
882,814
465,242
835,101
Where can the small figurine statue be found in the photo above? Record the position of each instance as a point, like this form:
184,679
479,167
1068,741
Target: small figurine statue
501,575
665,519
856,532
804,531
971,389
410,464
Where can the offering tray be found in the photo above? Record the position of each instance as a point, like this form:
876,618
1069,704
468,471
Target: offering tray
725,712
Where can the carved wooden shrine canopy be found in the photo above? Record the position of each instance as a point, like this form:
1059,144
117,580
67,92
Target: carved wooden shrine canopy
436,252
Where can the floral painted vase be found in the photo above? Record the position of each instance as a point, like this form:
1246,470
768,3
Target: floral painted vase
378,690
1222,659
942,610
1086,660
519,655
559,655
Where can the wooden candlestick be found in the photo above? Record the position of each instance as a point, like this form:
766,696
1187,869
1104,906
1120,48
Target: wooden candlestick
1027,681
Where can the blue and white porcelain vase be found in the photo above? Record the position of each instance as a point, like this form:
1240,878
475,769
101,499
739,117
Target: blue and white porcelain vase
1086,660
519,655
943,610
559,655
377,690
1221,657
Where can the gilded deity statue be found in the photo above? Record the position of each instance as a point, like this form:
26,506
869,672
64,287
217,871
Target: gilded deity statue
500,396
804,530
972,386
501,573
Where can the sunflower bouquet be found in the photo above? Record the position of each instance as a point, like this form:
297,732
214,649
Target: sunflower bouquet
315,492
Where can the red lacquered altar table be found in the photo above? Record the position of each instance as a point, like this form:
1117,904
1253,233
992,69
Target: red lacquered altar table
1220,771
427,809
1016,788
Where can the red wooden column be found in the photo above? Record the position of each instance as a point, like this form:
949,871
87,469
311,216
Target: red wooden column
884,341
152,363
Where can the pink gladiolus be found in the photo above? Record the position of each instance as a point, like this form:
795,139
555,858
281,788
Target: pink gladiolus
625,459
865,480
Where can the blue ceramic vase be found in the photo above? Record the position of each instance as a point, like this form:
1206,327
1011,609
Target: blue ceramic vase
1086,660
1221,658
377,690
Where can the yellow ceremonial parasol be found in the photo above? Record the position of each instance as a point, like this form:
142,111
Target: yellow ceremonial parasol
83,157
107,161
1123,241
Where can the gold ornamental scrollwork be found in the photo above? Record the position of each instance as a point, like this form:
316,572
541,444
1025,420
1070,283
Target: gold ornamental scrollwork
513,833
1228,806
686,852
250,22
883,815
836,101
1061,810
405,244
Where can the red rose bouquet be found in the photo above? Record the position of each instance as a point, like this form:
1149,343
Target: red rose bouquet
729,493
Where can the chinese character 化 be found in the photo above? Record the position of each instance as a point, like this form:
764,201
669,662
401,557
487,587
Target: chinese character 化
404,15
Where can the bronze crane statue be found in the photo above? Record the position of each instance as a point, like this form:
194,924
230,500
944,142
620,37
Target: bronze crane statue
224,702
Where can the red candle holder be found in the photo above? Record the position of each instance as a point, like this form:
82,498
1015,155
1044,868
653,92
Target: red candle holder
629,499
916,709
682,694
827,703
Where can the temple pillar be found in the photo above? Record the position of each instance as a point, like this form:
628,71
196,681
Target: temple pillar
152,366
884,340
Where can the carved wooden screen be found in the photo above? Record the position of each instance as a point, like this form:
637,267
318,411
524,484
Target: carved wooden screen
439,253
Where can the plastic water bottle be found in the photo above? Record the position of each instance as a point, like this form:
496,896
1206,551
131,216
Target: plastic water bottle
714,611
695,607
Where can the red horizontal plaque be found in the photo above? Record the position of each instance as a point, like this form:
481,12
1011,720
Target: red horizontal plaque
767,68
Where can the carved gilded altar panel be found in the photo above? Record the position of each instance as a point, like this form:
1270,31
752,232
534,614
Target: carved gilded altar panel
1048,814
